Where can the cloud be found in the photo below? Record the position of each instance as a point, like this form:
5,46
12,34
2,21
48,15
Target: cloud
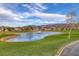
9,15
35,7
49,16
10,18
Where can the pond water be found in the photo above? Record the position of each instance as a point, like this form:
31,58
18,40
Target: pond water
31,36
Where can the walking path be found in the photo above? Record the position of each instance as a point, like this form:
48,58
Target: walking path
71,49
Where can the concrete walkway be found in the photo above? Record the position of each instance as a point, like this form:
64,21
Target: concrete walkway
71,50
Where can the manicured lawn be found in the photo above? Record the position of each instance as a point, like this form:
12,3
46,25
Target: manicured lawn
44,47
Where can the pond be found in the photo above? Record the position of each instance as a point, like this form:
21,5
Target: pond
31,36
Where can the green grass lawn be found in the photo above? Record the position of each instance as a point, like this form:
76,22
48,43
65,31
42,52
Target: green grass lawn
44,47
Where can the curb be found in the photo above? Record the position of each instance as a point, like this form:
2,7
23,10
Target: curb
62,49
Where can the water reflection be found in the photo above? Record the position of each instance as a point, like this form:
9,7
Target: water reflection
31,36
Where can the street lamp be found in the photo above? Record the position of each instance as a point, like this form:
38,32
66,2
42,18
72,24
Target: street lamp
70,19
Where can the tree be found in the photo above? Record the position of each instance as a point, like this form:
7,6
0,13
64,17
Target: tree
70,19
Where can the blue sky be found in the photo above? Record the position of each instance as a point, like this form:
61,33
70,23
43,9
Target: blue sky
23,14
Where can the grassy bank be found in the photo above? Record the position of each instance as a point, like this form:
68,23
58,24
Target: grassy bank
2,34
6,35
45,47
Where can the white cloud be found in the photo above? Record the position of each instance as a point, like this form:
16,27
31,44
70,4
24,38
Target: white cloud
10,18
40,6
9,15
49,16
35,7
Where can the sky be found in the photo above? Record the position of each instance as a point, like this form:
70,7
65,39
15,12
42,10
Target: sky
24,14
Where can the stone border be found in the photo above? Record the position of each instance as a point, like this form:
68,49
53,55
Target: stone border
62,49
